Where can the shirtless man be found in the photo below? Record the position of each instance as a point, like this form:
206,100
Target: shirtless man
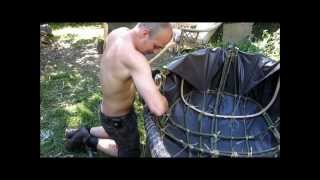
124,69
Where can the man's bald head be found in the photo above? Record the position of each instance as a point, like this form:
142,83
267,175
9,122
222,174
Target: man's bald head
155,28
152,37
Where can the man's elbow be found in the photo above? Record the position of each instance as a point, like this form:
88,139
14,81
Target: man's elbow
159,110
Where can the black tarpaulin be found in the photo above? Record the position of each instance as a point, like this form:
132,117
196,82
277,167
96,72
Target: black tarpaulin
222,82
200,67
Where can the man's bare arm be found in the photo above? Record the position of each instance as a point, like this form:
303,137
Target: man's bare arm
141,74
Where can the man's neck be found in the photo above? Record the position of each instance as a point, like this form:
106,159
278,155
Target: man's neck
132,35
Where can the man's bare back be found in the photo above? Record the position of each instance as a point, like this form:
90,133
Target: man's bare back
117,86
124,69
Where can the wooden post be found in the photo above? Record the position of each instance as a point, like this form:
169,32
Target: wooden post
105,35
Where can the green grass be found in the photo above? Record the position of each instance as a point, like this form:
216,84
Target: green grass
66,103
56,26
269,45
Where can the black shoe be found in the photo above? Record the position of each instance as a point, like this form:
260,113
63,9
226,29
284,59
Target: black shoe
70,132
78,139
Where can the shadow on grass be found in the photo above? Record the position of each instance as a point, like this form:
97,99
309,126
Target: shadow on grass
70,97
66,102
82,43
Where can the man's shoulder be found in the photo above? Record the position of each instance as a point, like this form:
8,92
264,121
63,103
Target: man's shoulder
119,31
123,29
134,59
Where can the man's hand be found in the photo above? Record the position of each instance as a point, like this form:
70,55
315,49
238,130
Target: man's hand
158,80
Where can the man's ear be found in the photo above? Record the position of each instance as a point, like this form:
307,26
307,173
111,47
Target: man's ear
146,32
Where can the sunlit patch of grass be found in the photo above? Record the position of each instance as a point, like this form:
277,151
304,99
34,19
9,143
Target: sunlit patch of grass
84,111
139,111
56,26
68,100
78,33
75,35
73,122
96,97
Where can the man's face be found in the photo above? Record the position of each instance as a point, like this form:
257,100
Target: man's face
153,45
